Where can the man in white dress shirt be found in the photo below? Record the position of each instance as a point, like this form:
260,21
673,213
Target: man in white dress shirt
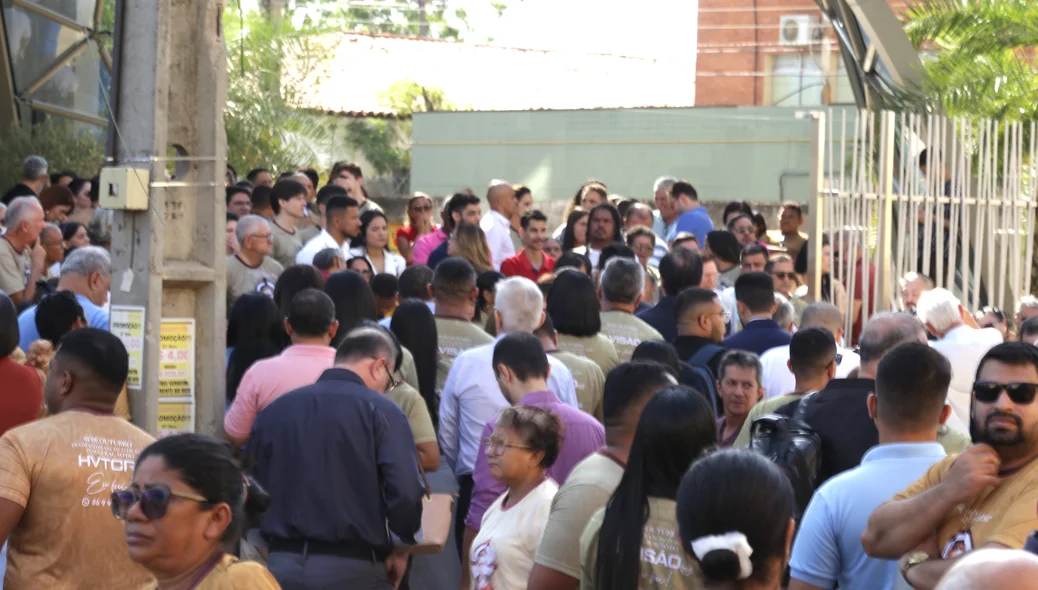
471,396
496,224
959,340
342,222
778,379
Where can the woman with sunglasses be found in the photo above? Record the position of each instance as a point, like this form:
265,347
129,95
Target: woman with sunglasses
419,223
189,498
525,442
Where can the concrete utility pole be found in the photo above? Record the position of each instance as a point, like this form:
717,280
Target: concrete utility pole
170,90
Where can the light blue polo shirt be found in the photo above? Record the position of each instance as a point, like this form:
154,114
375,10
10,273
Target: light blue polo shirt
828,546
696,222
96,317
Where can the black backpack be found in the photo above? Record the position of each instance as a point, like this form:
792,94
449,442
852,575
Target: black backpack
701,378
792,445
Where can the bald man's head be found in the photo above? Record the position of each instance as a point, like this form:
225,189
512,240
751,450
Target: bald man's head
885,331
993,568
822,315
501,197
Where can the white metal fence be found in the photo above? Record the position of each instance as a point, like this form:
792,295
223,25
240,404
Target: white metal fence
966,219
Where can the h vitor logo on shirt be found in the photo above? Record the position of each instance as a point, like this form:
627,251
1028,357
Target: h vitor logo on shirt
266,287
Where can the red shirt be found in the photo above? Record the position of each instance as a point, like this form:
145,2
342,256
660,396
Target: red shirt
21,397
410,233
520,266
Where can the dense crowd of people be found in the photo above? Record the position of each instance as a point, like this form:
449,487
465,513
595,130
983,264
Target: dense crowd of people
637,398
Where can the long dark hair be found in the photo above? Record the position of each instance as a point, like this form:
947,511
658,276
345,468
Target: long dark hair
618,224
486,282
676,427
569,240
293,280
365,222
255,330
736,491
573,304
415,328
353,300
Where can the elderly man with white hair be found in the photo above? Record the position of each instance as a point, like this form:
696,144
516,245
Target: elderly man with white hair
665,218
87,273
497,224
252,269
471,396
959,340
22,258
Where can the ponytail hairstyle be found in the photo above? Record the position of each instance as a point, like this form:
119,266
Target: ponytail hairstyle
675,428
734,511
209,468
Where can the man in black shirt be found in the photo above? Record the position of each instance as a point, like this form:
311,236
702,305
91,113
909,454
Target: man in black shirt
700,320
839,413
34,179
338,460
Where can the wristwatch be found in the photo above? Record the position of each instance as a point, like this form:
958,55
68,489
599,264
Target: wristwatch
911,560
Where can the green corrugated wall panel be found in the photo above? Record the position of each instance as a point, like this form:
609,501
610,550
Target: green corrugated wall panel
727,153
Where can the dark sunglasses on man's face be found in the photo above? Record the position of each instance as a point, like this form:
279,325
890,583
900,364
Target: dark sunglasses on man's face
154,501
784,275
1019,393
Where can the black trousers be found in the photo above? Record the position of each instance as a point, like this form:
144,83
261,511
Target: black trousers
464,499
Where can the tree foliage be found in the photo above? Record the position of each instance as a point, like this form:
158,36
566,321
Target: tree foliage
262,130
984,66
411,18
66,146
386,143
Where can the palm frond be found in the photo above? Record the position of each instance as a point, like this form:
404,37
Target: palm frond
974,27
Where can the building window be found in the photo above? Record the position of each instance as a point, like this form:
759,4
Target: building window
797,80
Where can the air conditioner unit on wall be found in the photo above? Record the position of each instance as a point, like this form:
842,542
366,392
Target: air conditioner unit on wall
797,30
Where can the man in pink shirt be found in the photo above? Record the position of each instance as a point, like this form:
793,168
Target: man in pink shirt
311,324
522,369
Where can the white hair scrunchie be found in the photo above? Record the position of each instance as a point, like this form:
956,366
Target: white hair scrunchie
735,542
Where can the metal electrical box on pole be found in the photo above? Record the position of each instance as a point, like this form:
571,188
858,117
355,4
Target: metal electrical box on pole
168,258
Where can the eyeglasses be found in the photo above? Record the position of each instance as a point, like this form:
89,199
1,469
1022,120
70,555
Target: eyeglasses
423,208
267,237
393,383
498,447
154,501
784,275
987,392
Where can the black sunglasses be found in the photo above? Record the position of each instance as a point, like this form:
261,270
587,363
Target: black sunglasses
1019,393
154,501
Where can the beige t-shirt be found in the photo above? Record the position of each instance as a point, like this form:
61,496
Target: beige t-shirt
452,337
63,469
588,380
627,332
307,233
286,244
762,408
598,348
411,403
587,489
408,373
242,279
664,564
1003,513
14,268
